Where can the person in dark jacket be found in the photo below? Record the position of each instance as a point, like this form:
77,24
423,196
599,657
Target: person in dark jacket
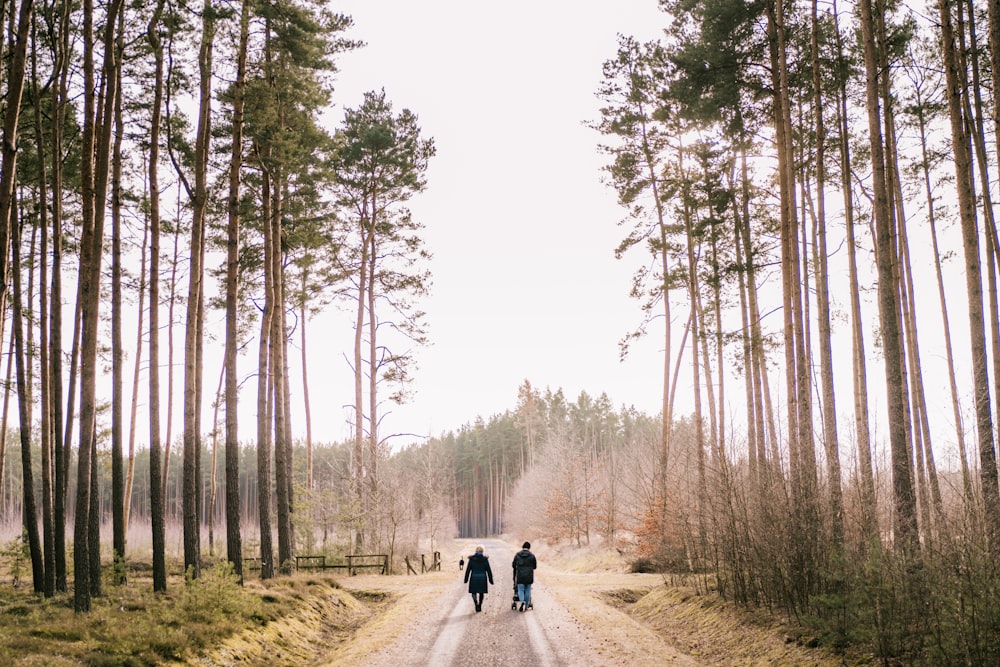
524,574
477,573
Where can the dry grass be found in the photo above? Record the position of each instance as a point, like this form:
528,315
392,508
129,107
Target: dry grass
323,618
718,633
285,621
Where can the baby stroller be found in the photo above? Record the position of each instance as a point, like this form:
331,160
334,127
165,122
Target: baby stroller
517,600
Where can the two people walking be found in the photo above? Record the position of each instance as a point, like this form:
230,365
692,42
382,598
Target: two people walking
479,576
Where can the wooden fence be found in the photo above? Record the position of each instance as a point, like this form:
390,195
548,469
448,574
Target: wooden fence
354,563
424,567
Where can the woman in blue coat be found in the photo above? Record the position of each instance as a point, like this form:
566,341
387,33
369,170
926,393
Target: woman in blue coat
477,573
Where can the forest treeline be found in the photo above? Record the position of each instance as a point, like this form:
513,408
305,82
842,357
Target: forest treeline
801,183
520,470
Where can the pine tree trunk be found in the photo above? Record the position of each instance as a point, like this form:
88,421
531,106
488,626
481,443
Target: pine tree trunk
305,382
859,374
199,203
789,273
702,510
373,376
920,114
282,465
978,133
897,222
59,97
264,383
168,437
830,438
101,143
212,478
366,228
117,357
45,399
973,274
8,175
903,498
29,511
134,409
234,542
86,307
765,415
157,470
919,400
7,388
755,429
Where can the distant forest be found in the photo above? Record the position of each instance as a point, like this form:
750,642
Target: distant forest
549,469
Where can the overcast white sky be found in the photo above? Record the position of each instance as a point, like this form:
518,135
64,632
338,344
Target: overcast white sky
526,285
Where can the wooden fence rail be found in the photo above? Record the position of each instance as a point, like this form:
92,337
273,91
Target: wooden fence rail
424,567
354,563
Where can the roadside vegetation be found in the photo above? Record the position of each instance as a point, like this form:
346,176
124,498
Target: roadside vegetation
305,618
687,613
211,615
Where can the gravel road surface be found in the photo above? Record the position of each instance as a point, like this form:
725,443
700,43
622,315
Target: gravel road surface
438,625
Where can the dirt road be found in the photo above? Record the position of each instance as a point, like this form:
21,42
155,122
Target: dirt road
509,637
438,625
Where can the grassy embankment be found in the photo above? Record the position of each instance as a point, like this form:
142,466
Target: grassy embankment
701,625
283,621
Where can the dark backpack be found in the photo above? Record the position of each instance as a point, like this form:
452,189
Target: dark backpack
523,571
